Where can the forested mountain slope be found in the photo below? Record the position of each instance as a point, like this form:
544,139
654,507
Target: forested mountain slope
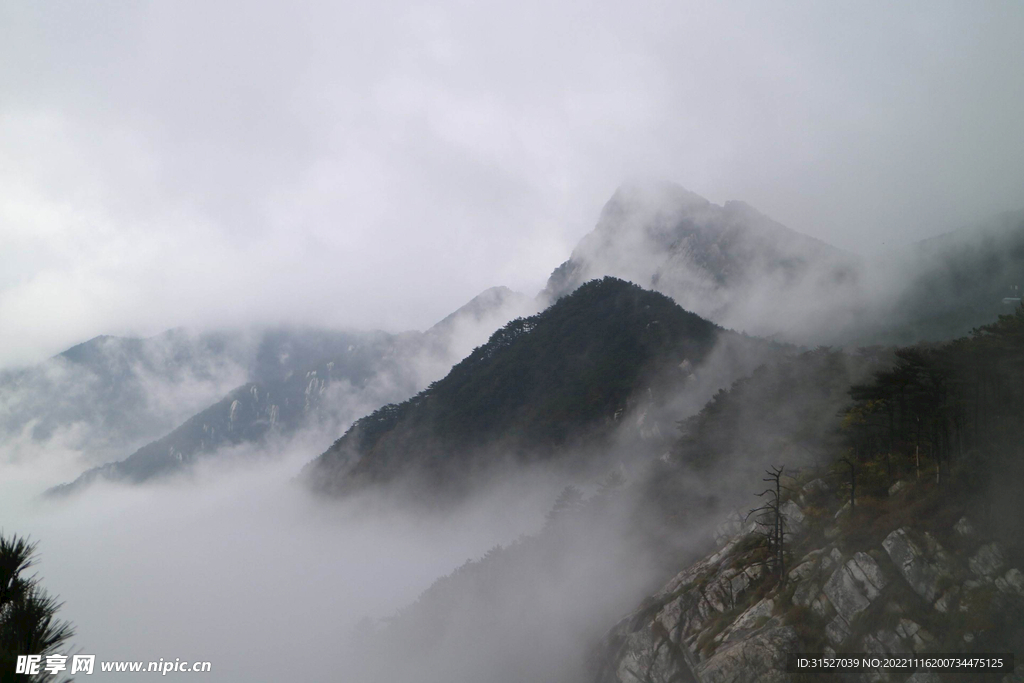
317,380
925,442
545,385
902,536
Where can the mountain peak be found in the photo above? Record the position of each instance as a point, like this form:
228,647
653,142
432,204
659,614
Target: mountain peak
488,310
539,389
731,264
659,195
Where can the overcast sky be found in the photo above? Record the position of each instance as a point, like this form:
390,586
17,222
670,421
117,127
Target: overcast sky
378,164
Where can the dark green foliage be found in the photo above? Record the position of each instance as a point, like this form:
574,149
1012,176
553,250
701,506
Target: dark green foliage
28,623
569,502
542,383
957,408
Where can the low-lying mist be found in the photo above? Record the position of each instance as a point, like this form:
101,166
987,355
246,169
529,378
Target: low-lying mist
240,568
238,565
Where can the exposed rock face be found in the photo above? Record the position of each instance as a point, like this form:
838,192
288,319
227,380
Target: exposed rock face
883,642
1011,582
794,517
761,657
837,630
964,528
685,633
734,523
655,643
853,586
912,632
723,620
923,574
988,561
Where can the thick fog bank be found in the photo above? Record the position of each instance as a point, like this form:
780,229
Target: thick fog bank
241,568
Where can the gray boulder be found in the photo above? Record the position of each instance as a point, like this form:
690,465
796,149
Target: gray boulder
919,639
924,575
988,561
883,642
760,658
1011,582
949,600
853,586
801,571
964,528
795,520
831,560
805,593
837,630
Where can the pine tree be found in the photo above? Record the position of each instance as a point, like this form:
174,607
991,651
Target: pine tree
28,623
569,501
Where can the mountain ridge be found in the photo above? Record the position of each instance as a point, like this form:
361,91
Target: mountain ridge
320,380
539,383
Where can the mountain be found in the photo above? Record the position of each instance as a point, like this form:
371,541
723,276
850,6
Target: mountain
491,308
954,282
457,334
316,380
367,368
895,528
730,263
554,383
901,536
737,267
112,394
911,574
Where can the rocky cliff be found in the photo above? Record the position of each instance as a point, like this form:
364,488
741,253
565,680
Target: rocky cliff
907,574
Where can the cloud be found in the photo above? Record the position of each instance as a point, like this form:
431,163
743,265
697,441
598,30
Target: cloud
375,166
238,565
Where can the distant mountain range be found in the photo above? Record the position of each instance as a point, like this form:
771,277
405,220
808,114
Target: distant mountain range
314,379
624,380
943,287
176,398
110,395
739,268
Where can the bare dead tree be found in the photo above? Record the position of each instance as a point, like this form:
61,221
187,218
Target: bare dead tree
772,525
